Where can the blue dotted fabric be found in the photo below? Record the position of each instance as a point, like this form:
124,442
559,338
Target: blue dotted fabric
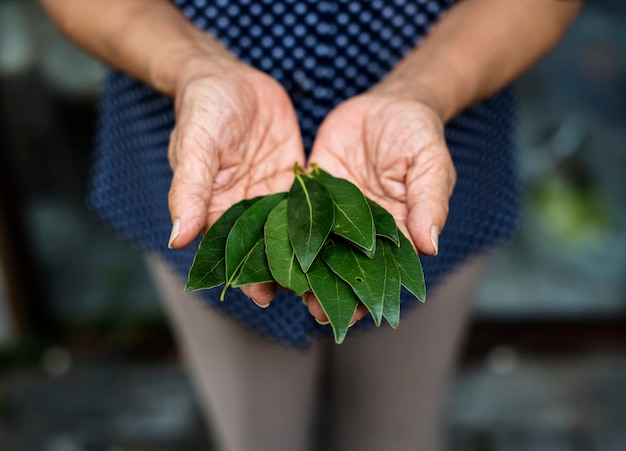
322,52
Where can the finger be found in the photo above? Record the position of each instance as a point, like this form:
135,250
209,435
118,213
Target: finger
429,183
361,312
261,294
315,308
196,166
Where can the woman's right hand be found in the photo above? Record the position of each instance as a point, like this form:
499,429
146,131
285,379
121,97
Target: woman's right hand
236,137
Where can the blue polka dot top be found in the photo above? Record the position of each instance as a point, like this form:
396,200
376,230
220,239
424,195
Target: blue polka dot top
322,52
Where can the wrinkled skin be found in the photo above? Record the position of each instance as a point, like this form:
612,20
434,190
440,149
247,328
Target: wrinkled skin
237,136
394,150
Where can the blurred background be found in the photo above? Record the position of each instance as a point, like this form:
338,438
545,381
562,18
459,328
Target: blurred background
86,358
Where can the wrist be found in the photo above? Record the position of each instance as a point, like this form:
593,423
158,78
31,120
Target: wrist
415,92
430,82
177,64
418,92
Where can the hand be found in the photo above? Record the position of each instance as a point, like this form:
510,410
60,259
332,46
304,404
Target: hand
394,150
236,137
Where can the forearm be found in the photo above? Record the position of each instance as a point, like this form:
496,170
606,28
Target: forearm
477,48
148,39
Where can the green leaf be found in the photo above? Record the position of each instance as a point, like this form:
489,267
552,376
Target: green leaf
209,268
365,275
391,305
353,217
384,222
336,297
368,252
310,217
410,267
245,234
282,260
255,268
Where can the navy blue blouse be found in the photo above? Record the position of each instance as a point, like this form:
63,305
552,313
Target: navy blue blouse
322,52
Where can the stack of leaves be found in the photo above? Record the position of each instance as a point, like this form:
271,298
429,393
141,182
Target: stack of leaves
322,236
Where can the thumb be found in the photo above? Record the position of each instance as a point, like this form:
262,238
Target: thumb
190,194
429,183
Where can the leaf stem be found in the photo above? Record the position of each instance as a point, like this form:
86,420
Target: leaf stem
316,169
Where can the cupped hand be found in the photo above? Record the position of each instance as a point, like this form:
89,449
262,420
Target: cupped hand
394,150
236,137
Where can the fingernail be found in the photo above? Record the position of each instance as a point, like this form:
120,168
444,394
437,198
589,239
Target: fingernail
175,232
434,239
305,301
260,305
352,323
323,323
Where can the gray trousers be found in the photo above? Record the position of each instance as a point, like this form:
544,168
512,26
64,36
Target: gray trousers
384,390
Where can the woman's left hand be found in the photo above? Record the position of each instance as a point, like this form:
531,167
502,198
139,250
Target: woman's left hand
394,150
